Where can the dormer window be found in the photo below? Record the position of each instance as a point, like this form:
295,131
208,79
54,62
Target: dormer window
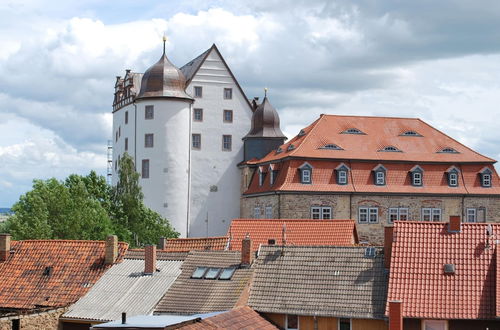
352,131
273,173
342,174
417,176
279,150
262,176
486,177
379,175
305,173
452,174
302,132
448,150
290,147
331,146
410,133
390,149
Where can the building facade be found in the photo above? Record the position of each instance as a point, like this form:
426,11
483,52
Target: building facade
184,129
375,170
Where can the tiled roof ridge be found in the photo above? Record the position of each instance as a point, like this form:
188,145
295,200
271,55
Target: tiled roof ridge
362,116
64,240
454,140
198,238
471,224
297,220
323,246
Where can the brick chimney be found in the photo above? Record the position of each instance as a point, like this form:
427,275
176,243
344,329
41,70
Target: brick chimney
454,224
162,243
4,246
388,239
149,259
395,315
111,250
246,251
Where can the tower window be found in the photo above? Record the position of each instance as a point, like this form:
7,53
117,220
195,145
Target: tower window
126,117
196,141
149,112
126,144
148,140
145,169
228,116
198,91
226,142
228,93
197,114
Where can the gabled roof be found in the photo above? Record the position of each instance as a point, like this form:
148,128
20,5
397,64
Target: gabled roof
237,319
76,266
192,296
420,251
324,281
298,232
379,133
199,243
125,288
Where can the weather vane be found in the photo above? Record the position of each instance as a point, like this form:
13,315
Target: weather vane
164,41
265,91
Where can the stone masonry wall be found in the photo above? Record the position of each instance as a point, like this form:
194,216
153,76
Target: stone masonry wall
347,206
45,320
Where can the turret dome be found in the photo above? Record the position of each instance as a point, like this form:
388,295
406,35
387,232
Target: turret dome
265,122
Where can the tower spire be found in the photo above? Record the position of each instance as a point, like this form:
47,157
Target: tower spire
265,92
164,41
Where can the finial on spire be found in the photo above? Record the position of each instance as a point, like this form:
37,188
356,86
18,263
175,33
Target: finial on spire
265,92
164,41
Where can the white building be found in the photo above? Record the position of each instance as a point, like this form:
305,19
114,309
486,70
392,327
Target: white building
184,128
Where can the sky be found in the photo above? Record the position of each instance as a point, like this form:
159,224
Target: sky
435,60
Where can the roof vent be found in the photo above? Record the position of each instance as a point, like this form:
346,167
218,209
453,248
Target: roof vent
302,132
370,252
290,147
449,268
48,271
271,241
390,149
279,150
352,131
331,146
448,150
410,133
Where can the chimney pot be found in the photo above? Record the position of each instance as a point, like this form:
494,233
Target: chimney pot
454,226
246,251
395,315
111,250
149,259
124,318
4,246
388,239
162,243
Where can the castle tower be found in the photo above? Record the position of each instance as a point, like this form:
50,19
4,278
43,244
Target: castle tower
265,134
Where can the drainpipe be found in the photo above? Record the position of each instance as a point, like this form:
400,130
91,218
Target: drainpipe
188,211
135,136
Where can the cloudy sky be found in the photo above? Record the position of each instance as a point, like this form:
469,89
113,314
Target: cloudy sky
436,60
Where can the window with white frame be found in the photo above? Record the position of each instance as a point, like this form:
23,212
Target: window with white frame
417,179
380,178
368,214
431,214
345,324
486,180
342,177
269,212
306,175
149,112
227,116
435,325
292,322
398,214
274,175
262,176
453,179
471,215
256,212
321,212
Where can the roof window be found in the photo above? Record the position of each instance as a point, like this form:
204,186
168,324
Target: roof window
290,147
448,150
279,150
390,149
410,133
331,146
302,132
370,252
199,272
352,131
227,273
449,268
212,273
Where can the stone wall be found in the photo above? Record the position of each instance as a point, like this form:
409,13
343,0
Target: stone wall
45,320
346,206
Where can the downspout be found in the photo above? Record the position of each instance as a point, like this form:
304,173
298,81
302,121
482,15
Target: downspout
463,196
279,206
353,188
135,136
188,211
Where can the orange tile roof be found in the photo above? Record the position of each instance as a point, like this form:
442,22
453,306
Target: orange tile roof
199,243
361,178
76,266
298,232
419,252
378,133
236,319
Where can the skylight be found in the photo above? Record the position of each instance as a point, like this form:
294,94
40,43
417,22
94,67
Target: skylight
370,252
227,273
290,147
448,150
279,150
352,131
199,272
212,273
331,146
390,149
410,133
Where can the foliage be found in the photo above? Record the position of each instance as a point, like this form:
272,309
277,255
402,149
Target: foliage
85,207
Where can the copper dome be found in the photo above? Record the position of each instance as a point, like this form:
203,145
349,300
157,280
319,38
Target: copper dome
265,122
163,79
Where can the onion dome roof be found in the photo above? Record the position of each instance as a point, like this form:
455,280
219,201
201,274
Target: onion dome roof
265,122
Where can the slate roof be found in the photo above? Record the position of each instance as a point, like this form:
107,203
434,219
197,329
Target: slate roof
324,281
125,288
419,252
236,319
76,266
200,244
192,296
298,232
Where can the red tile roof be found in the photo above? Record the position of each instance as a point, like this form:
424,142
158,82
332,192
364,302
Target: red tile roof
236,319
298,232
202,243
76,266
378,133
419,253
